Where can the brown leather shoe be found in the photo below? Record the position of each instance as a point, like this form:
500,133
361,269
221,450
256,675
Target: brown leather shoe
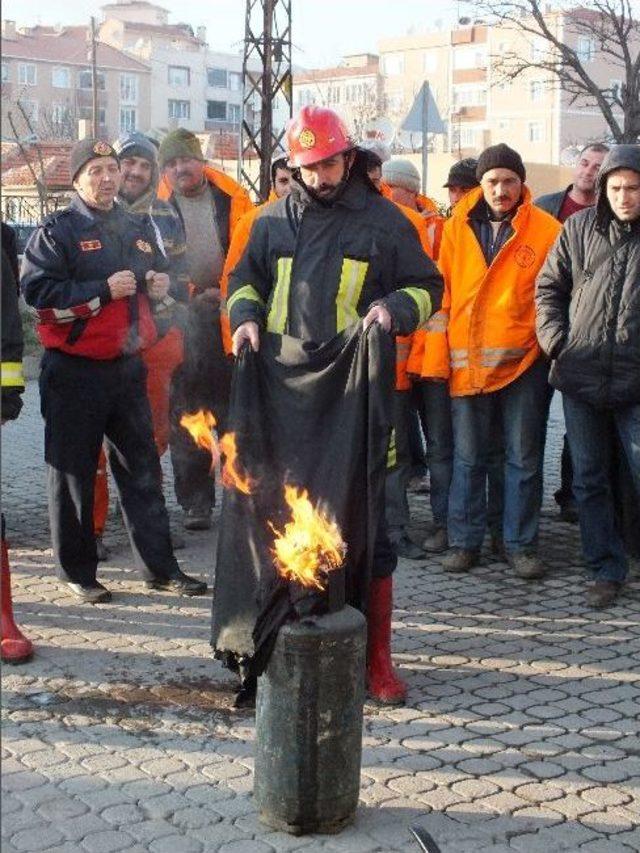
461,560
603,594
436,542
527,566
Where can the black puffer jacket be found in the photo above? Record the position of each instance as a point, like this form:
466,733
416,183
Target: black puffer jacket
588,300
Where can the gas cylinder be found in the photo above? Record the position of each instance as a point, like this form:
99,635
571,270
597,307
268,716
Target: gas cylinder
309,711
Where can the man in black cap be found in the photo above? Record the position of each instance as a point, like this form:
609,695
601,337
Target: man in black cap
91,273
461,179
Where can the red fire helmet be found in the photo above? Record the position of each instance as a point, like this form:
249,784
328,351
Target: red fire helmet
315,134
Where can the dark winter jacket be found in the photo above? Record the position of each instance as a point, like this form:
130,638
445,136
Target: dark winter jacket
588,300
312,269
552,202
64,280
12,377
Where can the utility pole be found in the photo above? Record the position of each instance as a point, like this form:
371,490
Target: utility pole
94,79
267,85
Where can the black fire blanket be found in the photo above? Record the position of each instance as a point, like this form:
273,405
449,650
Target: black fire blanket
313,417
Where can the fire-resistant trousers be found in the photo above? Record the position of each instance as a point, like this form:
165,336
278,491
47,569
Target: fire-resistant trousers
398,470
84,402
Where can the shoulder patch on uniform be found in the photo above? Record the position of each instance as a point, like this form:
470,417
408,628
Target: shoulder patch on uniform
90,245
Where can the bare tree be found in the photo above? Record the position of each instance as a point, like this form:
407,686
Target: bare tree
58,123
610,28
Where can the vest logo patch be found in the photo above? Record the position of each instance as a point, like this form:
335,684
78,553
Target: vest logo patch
525,257
307,138
90,245
144,246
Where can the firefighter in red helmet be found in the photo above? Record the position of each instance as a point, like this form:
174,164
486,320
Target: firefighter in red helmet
351,255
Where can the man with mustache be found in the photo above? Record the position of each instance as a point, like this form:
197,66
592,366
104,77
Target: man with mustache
493,246
137,195
92,272
209,204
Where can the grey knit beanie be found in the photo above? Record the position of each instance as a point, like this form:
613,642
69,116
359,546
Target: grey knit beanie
401,173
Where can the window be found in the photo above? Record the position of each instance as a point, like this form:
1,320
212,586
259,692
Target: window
178,75
430,61
470,56
586,49
59,113
217,110
30,108
395,101
87,113
539,50
26,74
5,72
468,136
504,124
469,96
233,113
61,78
306,96
127,119
85,80
235,81
536,131
536,90
128,88
179,109
615,87
393,64
217,77
333,95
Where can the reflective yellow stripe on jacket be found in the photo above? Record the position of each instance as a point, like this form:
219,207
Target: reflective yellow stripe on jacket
422,301
349,291
278,313
12,376
244,292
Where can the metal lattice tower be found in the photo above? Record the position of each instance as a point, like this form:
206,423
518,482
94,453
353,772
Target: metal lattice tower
267,89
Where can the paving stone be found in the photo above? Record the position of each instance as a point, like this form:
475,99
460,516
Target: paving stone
38,838
106,842
175,844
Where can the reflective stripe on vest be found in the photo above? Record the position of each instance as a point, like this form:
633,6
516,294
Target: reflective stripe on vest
459,358
494,356
278,313
12,376
422,301
244,292
349,292
438,322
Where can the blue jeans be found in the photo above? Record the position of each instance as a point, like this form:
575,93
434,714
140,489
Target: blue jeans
436,419
589,433
520,410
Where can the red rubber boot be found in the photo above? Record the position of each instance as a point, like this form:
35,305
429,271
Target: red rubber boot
15,647
383,685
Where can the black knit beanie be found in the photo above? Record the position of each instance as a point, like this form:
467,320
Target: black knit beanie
88,149
500,157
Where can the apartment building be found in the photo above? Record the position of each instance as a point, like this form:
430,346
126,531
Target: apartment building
354,89
461,65
193,86
46,73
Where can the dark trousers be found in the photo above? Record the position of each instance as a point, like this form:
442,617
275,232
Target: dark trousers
589,431
203,381
83,402
399,472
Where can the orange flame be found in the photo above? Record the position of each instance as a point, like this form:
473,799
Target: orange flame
231,476
310,545
199,426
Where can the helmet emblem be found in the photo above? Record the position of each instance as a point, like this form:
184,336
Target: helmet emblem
307,138
103,149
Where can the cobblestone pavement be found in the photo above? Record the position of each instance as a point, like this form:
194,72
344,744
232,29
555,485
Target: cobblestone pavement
520,734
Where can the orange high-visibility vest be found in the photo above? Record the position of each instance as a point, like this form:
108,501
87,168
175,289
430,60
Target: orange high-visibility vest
484,335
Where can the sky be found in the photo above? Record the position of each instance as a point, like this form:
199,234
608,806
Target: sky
322,30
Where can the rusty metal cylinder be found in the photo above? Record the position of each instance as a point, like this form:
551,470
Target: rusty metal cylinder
309,724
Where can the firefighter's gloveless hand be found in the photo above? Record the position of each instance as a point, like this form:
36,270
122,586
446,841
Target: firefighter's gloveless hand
122,284
157,285
378,314
248,331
